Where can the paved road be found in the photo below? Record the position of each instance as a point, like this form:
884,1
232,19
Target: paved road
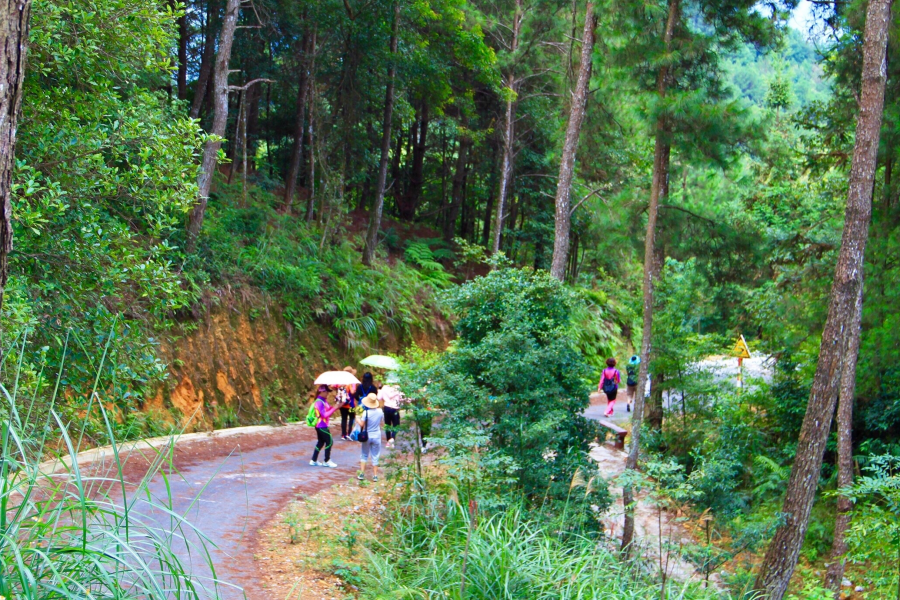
247,479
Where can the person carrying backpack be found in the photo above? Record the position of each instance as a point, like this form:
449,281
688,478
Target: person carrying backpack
632,369
609,385
366,387
324,440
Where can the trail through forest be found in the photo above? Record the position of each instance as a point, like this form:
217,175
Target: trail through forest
230,487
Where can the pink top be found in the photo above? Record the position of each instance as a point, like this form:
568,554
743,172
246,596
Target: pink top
391,396
612,374
325,413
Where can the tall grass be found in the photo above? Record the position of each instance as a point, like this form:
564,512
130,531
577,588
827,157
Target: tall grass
459,555
81,531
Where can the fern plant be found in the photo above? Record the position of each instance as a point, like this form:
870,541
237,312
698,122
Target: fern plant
420,253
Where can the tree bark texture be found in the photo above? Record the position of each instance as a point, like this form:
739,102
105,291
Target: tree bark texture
835,572
296,161
182,53
409,201
658,188
781,556
457,189
207,59
570,148
15,17
220,120
509,124
311,158
378,206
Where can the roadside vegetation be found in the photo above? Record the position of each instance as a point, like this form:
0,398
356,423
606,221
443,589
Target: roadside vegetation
83,530
563,182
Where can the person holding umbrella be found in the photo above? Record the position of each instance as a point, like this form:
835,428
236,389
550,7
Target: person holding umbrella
323,435
390,397
348,400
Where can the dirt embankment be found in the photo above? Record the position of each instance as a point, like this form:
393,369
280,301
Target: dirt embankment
246,364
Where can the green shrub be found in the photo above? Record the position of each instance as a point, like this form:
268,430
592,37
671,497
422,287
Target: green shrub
510,394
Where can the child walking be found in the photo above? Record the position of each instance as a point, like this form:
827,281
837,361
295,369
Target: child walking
609,385
323,435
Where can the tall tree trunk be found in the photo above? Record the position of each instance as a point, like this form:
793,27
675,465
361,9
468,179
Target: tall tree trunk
236,140
311,152
378,207
255,95
489,205
781,556
395,163
658,188
207,59
409,201
570,147
15,17
654,407
509,124
835,573
457,188
220,120
182,53
296,160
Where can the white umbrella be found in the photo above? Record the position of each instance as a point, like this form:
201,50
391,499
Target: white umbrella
379,361
336,378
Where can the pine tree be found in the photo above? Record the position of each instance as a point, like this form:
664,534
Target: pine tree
842,324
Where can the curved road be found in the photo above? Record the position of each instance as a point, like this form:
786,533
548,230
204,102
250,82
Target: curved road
229,488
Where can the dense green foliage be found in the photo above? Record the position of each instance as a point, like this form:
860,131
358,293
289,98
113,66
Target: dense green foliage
510,394
761,132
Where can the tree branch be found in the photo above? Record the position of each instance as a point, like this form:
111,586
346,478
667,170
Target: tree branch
241,88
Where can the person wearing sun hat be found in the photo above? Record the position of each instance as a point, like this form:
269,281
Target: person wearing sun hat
371,420
632,370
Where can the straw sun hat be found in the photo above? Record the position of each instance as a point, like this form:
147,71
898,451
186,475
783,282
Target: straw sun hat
370,401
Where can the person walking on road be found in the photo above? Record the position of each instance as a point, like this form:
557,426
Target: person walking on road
348,400
390,397
367,386
323,435
632,369
609,385
370,422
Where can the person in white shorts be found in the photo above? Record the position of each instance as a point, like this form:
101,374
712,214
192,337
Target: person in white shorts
371,420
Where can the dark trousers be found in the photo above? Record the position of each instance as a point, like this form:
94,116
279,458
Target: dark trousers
347,418
324,441
391,421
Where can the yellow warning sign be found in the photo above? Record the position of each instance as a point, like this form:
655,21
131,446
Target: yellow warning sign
740,348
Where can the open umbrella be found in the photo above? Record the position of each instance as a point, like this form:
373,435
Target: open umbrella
379,361
336,378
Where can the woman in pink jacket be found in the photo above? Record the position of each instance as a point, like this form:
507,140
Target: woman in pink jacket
322,432
609,385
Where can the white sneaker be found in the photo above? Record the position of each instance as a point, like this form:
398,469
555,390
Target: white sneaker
313,463
329,464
